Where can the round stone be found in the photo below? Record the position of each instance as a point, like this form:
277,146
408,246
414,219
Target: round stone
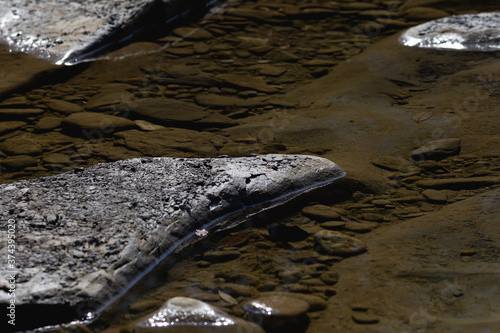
21,146
18,162
321,212
277,310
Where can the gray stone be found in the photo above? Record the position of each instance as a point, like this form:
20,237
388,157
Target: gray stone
337,243
479,32
67,32
184,314
126,215
437,149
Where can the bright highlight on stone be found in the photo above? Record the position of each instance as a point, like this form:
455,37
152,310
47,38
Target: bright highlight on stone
472,32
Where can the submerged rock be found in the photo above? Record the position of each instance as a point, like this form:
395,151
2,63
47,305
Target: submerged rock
67,32
84,236
477,32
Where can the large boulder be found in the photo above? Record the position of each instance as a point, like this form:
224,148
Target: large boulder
84,236
67,32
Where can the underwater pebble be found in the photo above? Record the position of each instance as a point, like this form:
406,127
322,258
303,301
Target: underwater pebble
337,243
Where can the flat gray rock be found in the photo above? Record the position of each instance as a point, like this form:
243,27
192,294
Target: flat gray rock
84,236
68,31
471,32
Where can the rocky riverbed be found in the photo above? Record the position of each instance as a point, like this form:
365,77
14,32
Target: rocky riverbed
323,78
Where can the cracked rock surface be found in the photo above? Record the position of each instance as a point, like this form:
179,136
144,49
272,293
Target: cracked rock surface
63,31
85,235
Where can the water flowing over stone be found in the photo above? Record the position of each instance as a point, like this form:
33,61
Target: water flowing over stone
84,236
471,32
66,32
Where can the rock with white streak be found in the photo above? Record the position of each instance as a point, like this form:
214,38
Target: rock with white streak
84,236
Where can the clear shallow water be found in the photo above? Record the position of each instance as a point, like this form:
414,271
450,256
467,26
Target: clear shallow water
189,280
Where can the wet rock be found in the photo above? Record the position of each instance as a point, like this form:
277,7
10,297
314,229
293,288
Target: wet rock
394,163
201,48
258,15
282,233
19,113
171,142
20,102
277,311
333,225
184,314
18,162
221,256
63,106
437,150
282,55
238,290
147,126
316,303
56,158
337,243
135,210
364,318
180,51
269,70
9,126
321,212
108,99
47,124
372,217
458,183
435,196
94,124
424,14
360,227
329,278
246,82
192,33
227,101
166,111
21,146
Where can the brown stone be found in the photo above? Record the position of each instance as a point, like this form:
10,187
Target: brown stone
21,146
92,121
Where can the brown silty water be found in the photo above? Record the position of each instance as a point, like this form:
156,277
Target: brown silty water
304,77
